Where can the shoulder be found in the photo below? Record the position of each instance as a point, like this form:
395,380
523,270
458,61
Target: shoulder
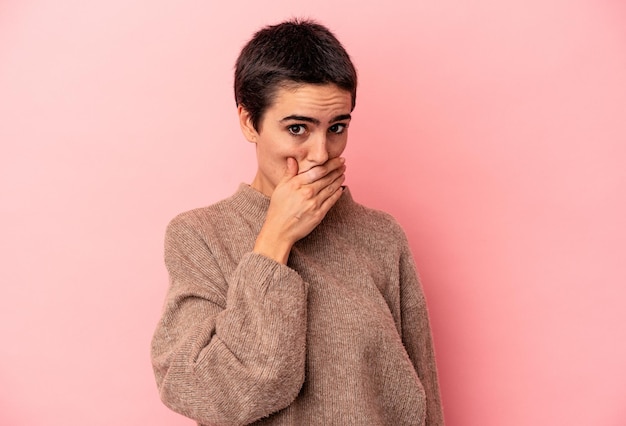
379,218
199,220
373,220
194,217
370,226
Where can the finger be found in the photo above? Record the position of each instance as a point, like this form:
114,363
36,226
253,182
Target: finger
332,199
328,190
330,180
291,169
332,187
319,172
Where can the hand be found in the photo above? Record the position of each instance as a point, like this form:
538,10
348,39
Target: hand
298,204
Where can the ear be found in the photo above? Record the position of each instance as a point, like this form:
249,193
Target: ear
245,122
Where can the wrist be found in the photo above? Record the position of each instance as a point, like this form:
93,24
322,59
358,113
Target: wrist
273,248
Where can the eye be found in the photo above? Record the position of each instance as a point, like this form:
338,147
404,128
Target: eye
296,129
338,128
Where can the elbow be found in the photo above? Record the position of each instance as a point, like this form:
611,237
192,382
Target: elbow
279,389
200,406
269,391
234,402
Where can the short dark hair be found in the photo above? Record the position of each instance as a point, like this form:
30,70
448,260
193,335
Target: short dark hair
292,52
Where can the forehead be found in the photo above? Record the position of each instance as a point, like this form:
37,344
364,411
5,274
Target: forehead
307,99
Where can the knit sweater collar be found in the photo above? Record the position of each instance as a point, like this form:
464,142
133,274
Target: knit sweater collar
254,204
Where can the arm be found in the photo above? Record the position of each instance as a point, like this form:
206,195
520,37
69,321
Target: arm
228,350
417,336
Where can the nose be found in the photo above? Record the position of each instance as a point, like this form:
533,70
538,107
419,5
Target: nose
318,150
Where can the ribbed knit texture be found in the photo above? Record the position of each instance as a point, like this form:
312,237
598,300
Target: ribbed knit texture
339,336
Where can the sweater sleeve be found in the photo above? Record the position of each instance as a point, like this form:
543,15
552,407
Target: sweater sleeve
417,337
228,350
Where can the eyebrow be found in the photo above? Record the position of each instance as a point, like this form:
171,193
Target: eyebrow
315,120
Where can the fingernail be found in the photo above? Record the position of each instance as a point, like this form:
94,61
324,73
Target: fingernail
342,160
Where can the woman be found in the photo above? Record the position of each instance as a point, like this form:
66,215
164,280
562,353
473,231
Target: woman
289,303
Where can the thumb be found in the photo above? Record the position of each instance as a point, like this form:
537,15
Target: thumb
292,168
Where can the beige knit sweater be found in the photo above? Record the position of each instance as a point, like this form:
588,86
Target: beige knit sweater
339,336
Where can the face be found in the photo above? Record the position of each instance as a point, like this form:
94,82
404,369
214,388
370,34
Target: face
306,122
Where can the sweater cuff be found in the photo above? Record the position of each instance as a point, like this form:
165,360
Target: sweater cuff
266,276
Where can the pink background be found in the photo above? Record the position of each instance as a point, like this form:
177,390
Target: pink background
495,133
